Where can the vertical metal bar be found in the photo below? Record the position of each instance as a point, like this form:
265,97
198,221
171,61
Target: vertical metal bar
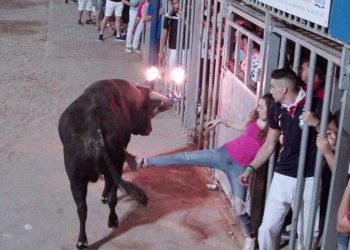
192,91
186,49
319,157
204,75
340,170
339,176
302,157
282,52
218,62
237,51
344,79
153,49
296,62
180,33
249,61
263,58
270,169
211,68
190,49
179,44
271,58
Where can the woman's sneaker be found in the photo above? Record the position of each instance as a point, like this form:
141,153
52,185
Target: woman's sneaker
119,39
137,51
128,50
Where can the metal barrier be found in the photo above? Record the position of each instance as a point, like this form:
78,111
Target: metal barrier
225,93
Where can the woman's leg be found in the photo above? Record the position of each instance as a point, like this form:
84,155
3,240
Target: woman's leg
132,16
214,158
233,171
137,36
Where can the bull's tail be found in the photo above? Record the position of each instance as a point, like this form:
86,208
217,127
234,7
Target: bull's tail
128,187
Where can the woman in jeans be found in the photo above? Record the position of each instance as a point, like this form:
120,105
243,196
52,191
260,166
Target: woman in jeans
229,158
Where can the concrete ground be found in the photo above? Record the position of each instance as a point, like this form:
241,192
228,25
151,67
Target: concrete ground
46,61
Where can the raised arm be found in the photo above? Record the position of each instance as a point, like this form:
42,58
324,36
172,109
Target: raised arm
261,157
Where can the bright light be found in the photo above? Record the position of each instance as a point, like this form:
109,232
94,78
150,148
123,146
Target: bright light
152,73
178,75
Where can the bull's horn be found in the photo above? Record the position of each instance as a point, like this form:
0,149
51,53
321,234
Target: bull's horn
156,96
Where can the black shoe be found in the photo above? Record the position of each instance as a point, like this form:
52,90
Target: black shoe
90,22
119,39
100,38
79,22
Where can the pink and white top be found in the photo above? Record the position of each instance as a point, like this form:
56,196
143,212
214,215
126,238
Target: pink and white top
244,148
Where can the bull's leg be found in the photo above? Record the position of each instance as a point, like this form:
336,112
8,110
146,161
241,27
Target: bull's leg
79,194
112,202
106,190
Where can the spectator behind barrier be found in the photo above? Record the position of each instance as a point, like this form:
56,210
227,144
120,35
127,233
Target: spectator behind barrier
285,117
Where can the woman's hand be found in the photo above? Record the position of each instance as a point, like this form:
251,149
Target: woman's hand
310,119
245,178
212,124
323,144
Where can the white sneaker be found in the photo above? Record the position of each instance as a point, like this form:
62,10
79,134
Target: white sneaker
128,50
249,243
137,51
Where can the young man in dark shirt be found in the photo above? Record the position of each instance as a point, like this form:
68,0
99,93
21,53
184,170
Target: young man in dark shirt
285,117
169,30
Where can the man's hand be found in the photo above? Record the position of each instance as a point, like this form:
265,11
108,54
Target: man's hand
245,177
310,119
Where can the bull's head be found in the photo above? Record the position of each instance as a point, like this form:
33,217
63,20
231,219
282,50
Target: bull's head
153,104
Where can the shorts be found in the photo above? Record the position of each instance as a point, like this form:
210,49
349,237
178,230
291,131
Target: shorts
100,4
85,5
117,7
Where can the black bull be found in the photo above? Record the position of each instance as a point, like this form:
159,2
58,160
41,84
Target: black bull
95,131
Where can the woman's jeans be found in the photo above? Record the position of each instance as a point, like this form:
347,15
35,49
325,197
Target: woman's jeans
343,241
214,158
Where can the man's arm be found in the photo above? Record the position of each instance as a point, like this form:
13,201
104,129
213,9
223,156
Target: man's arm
263,154
343,224
162,43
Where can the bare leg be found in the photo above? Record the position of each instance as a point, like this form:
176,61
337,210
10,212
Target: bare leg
104,23
117,25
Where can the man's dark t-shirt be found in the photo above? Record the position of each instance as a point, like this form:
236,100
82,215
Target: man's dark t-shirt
171,25
291,127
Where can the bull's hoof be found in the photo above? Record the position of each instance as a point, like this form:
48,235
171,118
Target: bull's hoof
82,245
104,200
113,223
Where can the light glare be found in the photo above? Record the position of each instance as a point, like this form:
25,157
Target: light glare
152,73
178,75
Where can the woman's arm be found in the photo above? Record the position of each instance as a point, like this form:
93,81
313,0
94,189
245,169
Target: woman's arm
235,125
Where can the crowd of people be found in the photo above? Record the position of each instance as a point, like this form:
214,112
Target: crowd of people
126,19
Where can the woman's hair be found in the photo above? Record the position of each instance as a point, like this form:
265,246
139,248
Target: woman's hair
254,114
